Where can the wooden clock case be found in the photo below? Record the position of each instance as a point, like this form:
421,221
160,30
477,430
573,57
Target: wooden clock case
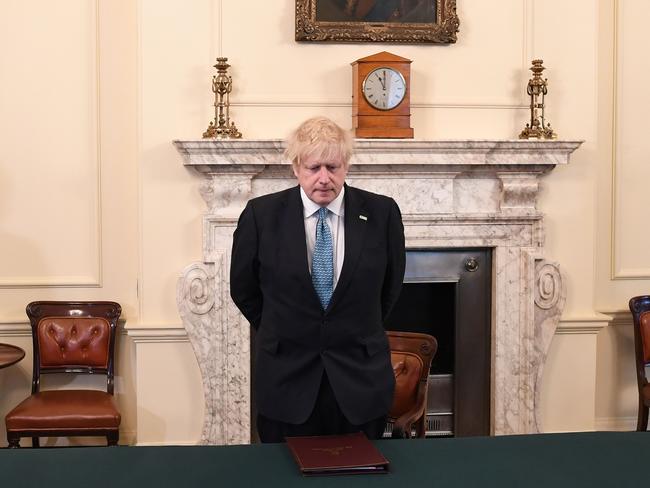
370,122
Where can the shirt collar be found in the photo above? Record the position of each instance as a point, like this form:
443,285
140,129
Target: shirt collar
309,207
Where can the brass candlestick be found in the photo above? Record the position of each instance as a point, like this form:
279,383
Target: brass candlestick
537,89
221,127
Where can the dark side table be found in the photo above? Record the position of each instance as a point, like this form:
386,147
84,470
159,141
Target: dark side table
10,354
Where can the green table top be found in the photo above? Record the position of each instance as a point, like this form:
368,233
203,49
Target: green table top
606,459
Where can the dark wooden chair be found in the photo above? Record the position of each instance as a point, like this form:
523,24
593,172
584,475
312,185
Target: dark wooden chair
411,355
640,308
69,338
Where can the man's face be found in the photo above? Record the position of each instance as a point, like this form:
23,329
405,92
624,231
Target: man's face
320,179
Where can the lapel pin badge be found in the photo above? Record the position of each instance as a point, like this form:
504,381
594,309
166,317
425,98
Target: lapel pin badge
363,217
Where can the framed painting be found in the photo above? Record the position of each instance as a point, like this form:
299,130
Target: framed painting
405,21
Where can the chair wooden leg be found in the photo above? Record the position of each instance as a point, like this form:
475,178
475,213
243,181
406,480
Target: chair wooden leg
398,432
642,420
35,442
420,427
14,441
112,438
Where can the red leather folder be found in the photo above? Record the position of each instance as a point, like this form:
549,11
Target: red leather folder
337,454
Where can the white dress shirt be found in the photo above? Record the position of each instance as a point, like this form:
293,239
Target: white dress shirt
336,224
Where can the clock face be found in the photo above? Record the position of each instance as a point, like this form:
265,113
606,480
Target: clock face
384,88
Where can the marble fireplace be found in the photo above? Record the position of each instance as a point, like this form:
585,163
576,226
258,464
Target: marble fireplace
452,194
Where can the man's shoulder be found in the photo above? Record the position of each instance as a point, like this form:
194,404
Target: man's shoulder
272,199
370,197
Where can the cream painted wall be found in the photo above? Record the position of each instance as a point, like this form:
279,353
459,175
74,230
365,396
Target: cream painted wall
622,259
68,171
106,87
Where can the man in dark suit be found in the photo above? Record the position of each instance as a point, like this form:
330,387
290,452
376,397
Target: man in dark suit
316,269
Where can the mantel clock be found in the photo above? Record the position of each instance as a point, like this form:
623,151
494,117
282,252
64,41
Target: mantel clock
381,106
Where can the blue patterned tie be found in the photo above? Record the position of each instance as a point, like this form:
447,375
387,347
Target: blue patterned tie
322,264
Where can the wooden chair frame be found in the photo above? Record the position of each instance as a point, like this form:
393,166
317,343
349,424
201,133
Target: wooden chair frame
639,306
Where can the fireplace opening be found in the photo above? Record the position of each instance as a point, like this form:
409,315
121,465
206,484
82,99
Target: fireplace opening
447,293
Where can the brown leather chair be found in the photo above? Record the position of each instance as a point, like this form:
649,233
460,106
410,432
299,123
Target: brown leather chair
69,338
640,308
411,354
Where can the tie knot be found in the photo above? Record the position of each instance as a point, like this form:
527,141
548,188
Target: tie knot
322,213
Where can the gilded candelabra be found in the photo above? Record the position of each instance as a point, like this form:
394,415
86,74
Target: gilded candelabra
537,128
222,127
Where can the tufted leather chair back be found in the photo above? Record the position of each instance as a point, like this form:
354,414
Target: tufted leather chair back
411,354
73,337
407,368
73,342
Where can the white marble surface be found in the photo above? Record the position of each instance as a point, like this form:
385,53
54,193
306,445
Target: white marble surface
398,152
472,193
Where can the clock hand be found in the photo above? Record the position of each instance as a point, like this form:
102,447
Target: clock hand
383,85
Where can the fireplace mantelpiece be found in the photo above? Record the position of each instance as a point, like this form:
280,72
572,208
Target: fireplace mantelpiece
461,193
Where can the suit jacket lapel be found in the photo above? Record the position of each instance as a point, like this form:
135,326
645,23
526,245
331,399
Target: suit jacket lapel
292,238
355,233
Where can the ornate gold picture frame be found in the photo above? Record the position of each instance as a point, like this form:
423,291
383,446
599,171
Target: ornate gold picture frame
405,21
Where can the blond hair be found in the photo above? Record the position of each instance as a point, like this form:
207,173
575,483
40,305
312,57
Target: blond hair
319,137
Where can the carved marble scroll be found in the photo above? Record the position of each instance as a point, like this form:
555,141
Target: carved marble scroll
550,296
196,304
220,340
